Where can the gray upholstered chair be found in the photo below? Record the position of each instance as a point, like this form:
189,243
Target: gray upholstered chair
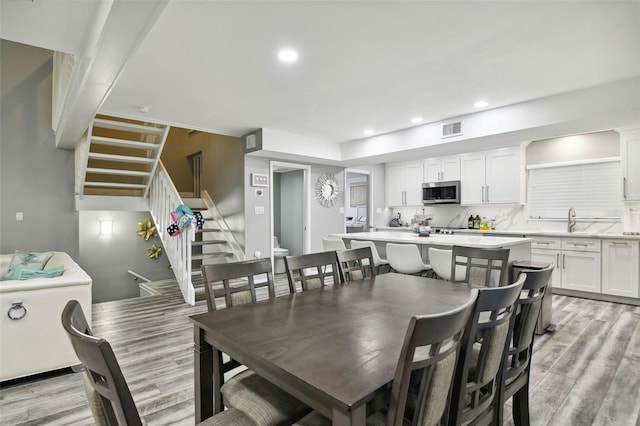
355,264
429,353
378,262
517,363
483,267
406,259
488,331
324,265
107,391
263,402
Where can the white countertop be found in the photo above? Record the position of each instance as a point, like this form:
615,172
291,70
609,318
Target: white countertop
479,241
558,234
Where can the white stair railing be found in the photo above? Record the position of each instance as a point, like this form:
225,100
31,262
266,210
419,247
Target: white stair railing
163,199
225,231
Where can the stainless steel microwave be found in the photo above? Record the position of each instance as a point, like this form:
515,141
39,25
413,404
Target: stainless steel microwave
441,192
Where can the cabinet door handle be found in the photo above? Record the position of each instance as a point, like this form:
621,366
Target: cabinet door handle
546,243
557,260
563,260
579,245
619,244
487,193
483,194
624,188
404,197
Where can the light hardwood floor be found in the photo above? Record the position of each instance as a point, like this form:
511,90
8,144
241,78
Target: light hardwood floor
587,372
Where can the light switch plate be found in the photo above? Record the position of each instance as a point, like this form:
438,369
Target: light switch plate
19,216
259,179
259,210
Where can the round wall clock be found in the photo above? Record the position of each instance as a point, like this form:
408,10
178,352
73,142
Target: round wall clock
327,190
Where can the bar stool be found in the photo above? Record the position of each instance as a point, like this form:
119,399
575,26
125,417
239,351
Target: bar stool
406,259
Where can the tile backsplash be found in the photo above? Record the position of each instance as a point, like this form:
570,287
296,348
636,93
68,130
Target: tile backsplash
508,218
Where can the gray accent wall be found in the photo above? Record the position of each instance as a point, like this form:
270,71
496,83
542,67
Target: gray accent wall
107,258
36,178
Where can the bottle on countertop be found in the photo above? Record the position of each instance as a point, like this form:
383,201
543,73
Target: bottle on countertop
484,224
493,223
476,222
470,222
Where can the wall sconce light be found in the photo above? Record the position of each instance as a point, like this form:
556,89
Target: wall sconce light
106,227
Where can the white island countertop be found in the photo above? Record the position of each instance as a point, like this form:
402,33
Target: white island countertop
436,239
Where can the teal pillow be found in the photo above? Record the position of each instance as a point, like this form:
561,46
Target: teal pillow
23,272
34,261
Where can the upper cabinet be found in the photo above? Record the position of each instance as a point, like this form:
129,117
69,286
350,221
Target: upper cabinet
442,169
404,184
630,164
492,177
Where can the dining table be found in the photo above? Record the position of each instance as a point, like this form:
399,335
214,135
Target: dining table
335,348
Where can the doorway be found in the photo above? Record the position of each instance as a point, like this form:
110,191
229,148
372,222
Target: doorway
290,207
357,200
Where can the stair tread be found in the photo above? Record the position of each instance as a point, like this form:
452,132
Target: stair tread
206,242
120,172
116,185
211,255
103,123
121,158
124,143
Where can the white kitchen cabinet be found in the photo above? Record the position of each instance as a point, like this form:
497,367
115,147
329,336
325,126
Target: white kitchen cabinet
441,169
630,164
577,262
620,268
492,177
404,184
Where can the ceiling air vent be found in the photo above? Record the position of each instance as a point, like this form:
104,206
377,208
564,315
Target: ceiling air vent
451,129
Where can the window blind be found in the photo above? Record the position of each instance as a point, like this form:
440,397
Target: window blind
594,190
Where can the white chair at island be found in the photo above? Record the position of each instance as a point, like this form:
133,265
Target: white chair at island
406,259
440,261
377,260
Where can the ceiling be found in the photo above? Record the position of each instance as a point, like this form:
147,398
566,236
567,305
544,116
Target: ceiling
212,65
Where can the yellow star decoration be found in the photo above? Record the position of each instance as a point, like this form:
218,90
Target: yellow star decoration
146,229
154,252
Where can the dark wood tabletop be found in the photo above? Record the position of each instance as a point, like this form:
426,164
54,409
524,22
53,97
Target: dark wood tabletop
332,348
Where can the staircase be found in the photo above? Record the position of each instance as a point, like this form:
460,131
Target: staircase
118,157
118,166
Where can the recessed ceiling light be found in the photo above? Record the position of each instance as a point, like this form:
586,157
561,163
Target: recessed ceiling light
416,120
481,104
369,132
288,55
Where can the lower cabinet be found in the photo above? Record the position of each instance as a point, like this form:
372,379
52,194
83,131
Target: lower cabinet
577,262
620,267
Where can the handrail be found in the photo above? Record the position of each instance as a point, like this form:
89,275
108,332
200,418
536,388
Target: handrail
137,276
163,199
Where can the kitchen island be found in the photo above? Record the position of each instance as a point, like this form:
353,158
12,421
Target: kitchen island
520,248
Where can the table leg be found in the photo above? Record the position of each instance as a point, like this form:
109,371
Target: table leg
356,417
207,377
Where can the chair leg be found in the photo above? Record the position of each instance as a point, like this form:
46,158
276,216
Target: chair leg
521,406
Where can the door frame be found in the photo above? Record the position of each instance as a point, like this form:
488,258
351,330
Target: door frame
369,193
306,195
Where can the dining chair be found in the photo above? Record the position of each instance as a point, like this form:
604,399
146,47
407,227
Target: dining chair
108,393
429,353
406,259
378,262
440,261
264,402
517,362
475,386
354,263
324,265
238,281
483,267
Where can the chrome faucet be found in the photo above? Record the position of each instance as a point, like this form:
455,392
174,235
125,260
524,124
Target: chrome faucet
571,222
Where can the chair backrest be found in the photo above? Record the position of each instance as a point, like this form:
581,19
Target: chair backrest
405,258
482,353
336,244
483,267
218,281
439,337
106,387
355,263
518,356
320,262
377,260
